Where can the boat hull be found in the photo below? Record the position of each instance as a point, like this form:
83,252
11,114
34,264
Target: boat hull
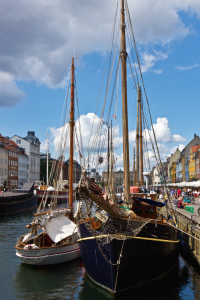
14,205
143,259
61,196
48,255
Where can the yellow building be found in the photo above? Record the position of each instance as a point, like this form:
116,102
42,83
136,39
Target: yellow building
192,171
173,158
173,172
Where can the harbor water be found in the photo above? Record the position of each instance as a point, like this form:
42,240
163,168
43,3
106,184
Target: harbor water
69,281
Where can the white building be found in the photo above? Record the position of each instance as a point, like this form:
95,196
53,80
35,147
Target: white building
155,176
22,168
31,144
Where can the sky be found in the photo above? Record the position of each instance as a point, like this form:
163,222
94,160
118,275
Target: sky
39,38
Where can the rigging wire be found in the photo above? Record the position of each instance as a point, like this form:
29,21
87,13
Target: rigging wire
110,47
128,13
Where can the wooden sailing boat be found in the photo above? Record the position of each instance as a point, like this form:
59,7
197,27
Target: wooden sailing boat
57,243
122,248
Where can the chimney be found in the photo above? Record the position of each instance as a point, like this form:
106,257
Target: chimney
195,135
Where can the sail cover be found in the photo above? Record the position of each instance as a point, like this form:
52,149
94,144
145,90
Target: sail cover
59,228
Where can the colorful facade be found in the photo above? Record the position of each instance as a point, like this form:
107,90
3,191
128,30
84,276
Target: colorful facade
183,167
178,170
3,166
197,164
187,168
173,172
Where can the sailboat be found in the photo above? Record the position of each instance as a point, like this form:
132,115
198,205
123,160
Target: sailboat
124,248
52,236
48,192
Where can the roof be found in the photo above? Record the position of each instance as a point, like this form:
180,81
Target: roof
10,145
13,143
31,136
195,148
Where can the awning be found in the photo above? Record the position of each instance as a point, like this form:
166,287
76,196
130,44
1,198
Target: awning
59,228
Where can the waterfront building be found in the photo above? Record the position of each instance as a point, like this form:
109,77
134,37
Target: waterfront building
171,169
118,177
76,171
183,167
22,167
156,178
12,167
192,171
164,172
173,172
178,170
43,166
187,159
185,156
12,180
3,165
31,144
197,164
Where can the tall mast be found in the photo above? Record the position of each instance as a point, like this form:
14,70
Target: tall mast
111,162
137,136
134,173
108,165
123,55
47,158
71,136
141,148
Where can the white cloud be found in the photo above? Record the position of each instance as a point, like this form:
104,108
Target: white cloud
163,132
187,68
60,136
149,60
39,36
10,94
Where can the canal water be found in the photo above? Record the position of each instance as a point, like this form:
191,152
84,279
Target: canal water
69,281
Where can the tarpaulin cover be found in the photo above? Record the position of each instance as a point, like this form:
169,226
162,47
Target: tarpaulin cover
59,228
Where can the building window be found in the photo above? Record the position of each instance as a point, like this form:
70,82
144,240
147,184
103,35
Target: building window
18,141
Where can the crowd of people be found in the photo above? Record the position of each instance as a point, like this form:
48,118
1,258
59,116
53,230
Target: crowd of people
180,197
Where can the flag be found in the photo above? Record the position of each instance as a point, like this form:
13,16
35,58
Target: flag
114,116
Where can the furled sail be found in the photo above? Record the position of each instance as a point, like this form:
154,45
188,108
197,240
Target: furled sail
59,228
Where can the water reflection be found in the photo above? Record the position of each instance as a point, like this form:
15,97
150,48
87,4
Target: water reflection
57,282
68,281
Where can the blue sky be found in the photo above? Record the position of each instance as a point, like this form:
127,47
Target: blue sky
38,39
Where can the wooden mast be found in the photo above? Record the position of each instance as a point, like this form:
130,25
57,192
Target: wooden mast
71,122
108,165
137,137
134,173
123,55
141,148
47,159
111,163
